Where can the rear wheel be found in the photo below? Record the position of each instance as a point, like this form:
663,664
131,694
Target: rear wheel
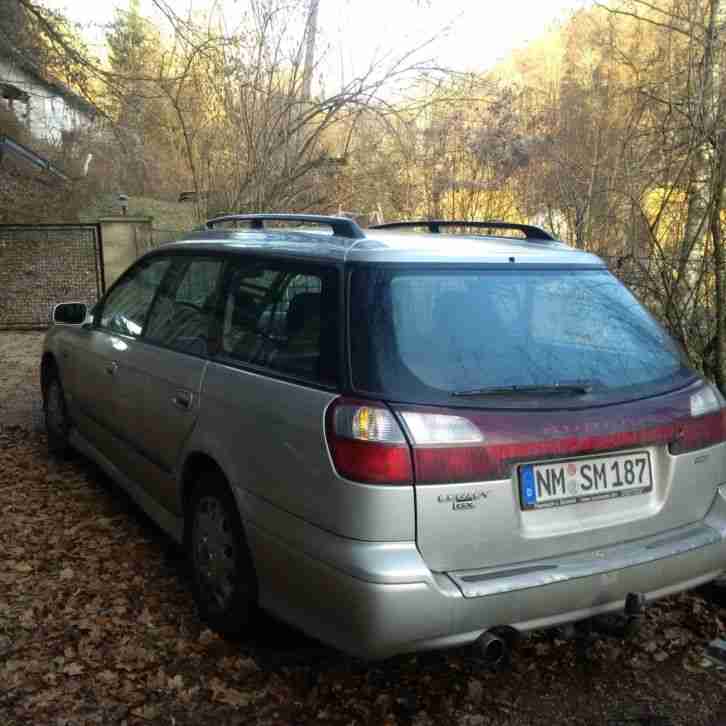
57,423
223,575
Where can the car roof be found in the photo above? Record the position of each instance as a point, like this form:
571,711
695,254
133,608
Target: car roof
384,246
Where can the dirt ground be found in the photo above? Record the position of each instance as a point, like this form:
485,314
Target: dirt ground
97,626
20,378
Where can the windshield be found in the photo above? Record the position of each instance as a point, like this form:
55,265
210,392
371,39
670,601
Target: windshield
435,336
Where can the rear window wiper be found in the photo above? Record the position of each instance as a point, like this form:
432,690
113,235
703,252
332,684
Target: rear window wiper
569,388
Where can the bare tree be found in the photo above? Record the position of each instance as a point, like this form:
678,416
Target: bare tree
254,135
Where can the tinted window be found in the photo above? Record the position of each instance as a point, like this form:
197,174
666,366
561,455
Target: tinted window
127,305
184,309
283,318
424,335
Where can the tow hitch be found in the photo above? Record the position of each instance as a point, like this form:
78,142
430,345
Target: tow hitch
634,610
612,625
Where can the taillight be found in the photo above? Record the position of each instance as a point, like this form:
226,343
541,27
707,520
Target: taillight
366,443
436,429
707,424
471,445
446,447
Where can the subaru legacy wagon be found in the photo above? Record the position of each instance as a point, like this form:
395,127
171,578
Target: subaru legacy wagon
396,439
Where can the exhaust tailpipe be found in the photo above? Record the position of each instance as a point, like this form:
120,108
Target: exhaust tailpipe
493,649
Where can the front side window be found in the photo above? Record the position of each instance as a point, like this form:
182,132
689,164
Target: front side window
184,308
127,306
432,336
283,318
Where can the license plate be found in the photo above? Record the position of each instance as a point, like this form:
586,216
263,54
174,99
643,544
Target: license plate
558,483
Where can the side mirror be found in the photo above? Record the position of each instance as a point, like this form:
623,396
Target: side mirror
70,313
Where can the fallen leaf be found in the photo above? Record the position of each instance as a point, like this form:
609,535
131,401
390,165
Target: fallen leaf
232,697
175,683
108,676
247,664
145,618
73,669
148,712
475,692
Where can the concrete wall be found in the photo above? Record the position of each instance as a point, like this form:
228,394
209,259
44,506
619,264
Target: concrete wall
124,239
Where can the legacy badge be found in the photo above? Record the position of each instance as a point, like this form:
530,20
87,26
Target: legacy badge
463,500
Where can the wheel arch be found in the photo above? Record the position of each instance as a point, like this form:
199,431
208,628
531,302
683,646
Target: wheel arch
196,464
236,616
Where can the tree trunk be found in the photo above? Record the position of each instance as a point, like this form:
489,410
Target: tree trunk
310,33
718,139
702,113
719,261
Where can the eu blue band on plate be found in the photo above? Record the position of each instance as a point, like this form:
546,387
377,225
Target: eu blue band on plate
526,484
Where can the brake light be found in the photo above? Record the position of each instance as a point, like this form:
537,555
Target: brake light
366,443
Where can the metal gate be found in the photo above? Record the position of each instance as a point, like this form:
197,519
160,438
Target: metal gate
43,264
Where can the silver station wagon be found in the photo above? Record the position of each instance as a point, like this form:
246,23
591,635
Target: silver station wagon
396,439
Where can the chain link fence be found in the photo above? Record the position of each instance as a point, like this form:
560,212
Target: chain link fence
44,263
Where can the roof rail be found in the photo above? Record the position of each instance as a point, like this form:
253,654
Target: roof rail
341,226
434,226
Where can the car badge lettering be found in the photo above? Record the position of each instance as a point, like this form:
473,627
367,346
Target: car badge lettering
462,500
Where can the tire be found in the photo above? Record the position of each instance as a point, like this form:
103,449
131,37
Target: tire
57,422
224,582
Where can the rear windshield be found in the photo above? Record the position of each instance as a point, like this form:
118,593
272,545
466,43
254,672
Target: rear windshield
435,336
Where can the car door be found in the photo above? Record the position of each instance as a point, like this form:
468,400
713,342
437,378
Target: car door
102,406
268,385
170,358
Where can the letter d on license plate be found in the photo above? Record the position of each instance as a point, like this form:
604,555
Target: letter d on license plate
557,483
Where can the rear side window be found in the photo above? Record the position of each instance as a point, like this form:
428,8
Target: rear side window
283,318
429,336
184,310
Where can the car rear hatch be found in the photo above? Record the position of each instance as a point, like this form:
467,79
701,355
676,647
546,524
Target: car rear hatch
545,412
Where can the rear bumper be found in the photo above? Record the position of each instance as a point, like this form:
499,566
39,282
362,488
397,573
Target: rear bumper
358,604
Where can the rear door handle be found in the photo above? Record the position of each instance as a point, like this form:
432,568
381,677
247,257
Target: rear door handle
183,399
111,368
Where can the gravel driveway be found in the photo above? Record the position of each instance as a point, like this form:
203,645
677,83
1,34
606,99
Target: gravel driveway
97,626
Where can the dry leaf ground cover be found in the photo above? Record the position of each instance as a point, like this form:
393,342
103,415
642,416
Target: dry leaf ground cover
97,627
19,378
